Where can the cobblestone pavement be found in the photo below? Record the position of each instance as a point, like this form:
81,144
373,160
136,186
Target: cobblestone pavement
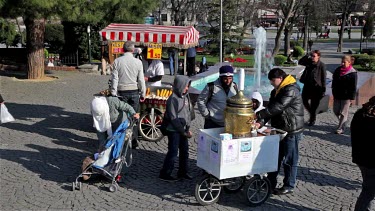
42,151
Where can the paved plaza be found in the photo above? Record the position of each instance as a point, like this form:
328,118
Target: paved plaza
42,151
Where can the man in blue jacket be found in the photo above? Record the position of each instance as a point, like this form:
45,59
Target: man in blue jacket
285,109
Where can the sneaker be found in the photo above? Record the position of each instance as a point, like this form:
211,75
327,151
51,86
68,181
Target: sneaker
185,176
167,178
339,131
284,191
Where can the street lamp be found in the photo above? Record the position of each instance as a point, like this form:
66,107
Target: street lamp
89,42
221,31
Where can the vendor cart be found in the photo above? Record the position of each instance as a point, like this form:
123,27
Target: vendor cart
154,37
232,164
152,112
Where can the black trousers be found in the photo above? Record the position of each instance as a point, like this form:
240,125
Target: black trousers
131,97
190,66
311,96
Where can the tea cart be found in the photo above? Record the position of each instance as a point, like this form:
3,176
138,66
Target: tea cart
232,164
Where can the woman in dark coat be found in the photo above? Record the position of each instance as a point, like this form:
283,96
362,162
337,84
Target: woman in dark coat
314,79
344,89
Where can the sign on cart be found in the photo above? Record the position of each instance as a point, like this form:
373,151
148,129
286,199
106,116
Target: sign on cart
118,47
154,51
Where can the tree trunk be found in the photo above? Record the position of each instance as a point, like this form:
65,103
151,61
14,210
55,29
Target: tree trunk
341,34
281,29
287,35
305,34
35,47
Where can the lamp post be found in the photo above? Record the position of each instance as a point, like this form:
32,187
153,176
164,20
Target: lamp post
221,31
89,42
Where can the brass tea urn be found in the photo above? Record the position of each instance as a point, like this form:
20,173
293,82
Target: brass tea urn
239,116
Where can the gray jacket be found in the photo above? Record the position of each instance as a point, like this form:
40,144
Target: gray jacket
128,74
177,109
215,108
118,110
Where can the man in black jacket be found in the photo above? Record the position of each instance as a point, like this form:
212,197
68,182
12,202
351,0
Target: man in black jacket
362,128
285,109
314,79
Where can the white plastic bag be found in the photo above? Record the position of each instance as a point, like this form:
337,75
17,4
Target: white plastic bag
5,116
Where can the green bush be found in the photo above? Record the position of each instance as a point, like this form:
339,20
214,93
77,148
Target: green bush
294,43
367,62
298,51
280,60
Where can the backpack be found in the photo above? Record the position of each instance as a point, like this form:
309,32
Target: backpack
211,90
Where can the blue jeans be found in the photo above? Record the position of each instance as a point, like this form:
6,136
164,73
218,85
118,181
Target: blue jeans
171,62
131,97
368,189
288,156
176,142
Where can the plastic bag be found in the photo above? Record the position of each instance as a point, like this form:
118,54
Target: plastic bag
5,116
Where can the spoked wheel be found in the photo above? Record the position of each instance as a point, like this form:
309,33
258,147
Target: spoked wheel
234,184
258,190
207,190
149,125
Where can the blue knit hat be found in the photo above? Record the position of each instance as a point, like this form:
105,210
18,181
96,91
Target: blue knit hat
226,70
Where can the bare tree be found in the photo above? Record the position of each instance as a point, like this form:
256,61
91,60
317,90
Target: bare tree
289,6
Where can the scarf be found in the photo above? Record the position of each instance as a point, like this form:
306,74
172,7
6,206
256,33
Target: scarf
287,80
344,70
100,114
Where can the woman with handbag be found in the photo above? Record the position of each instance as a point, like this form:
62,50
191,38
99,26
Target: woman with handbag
314,80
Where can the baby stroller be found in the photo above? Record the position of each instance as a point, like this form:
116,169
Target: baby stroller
109,162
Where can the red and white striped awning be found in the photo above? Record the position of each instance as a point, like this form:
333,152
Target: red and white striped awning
182,37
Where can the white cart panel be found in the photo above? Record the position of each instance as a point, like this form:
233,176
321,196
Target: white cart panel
236,157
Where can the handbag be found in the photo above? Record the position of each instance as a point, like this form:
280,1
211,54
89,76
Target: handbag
5,116
302,79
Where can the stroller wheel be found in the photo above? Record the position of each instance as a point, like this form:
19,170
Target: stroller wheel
73,186
79,186
113,188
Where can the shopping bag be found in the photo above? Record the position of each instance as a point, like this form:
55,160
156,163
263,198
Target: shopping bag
5,116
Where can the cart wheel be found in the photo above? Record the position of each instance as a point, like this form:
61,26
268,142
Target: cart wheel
113,188
149,125
73,186
207,190
235,184
79,186
258,190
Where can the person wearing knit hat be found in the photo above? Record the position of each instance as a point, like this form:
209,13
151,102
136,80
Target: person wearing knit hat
213,98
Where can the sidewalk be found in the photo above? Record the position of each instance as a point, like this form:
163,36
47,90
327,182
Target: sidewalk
42,151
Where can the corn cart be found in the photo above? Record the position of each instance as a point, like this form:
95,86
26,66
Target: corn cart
152,112
233,164
155,38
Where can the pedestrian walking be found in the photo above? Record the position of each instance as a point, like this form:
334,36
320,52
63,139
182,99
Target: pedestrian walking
314,80
344,89
362,129
128,82
191,53
171,55
213,98
178,114
285,110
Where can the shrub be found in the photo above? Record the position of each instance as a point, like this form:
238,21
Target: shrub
367,62
358,58
294,43
280,60
298,51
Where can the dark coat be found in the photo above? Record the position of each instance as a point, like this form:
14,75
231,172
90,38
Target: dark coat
315,74
363,141
344,87
285,110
